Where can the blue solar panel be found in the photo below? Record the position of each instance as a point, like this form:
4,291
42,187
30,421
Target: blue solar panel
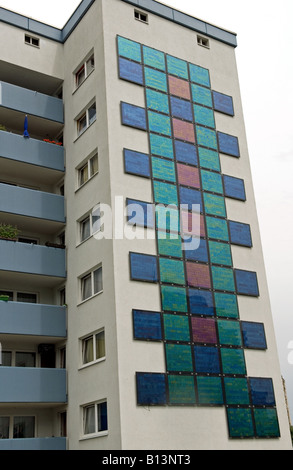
143,267
147,325
240,234
223,103
131,71
133,116
234,188
262,391
253,335
151,389
246,283
137,163
228,144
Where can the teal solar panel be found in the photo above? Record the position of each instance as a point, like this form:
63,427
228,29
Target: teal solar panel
240,423
154,58
206,137
236,389
163,169
129,49
161,146
174,299
199,75
223,279
217,229
204,116
179,358
201,95
226,305
229,333
177,67
170,247
209,159
157,101
165,193
155,79
210,391
220,253
172,271
159,123
266,422
176,328
181,390
211,182
214,205
233,361
167,218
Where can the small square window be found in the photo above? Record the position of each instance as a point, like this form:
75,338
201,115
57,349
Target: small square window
201,41
31,41
138,15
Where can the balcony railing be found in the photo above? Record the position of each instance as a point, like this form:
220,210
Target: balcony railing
32,259
31,102
52,443
32,151
17,318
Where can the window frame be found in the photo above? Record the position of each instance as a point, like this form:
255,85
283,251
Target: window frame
93,338
84,117
85,68
29,41
11,424
83,278
203,42
141,16
97,433
88,165
90,218
16,293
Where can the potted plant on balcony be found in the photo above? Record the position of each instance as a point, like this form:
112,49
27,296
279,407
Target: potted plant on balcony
4,298
2,128
9,232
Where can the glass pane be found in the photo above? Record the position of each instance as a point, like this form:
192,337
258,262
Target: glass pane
81,124
92,113
6,359
89,420
96,219
94,165
4,427
86,287
88,350
98,281
27,298
85,229
24,427
100,345
102,417
25,359
83,174
90,65
80,76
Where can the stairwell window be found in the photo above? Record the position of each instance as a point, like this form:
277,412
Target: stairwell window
86,119
91,284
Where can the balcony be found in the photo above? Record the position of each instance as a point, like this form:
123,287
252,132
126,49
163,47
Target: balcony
31,151
31,203
32,385
32,259
17,318
53,443
31,102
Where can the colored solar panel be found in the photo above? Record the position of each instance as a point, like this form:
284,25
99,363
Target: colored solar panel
207,360
176,328
223,103
147,325
253,335
198,254
179,87
174,299
154,58
181,109
266,422
198,275
181,390
204,330
143,267
210,391
214,205
151,389
165,193
234,188
191,198
183,130
199,75
172,271
186,153
161,146
246,283
201,302
155,79
223,279
204,116
129,49
192,225
220,253
163,169
170,246
229,333
137,163
240,423
211,182
206,137
177,67
240,234
201,95
228,144
217,228
133,116
140,213
262,392
233,361
236,390
131,71
179,358
159,123
209,159
157,101
188,175
226,305
167,218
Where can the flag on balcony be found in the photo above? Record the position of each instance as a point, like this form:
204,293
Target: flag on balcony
25,133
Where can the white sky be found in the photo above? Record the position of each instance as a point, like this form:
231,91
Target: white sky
265,66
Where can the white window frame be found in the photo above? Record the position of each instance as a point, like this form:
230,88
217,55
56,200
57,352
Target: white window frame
86,276
96,360
96,432
94,222
141,16
91,173
29,41
88,66
204,42
84,116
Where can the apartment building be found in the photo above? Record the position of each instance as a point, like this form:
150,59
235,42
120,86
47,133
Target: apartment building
145,336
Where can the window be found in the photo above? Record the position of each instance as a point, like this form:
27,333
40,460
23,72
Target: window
20,296
31,41
90,224
95,419
25,359
4,427
6,360
138,15
86,119
84,71
92,284
93,348
23,427
203,41
88,170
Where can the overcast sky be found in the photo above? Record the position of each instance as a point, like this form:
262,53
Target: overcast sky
264,56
